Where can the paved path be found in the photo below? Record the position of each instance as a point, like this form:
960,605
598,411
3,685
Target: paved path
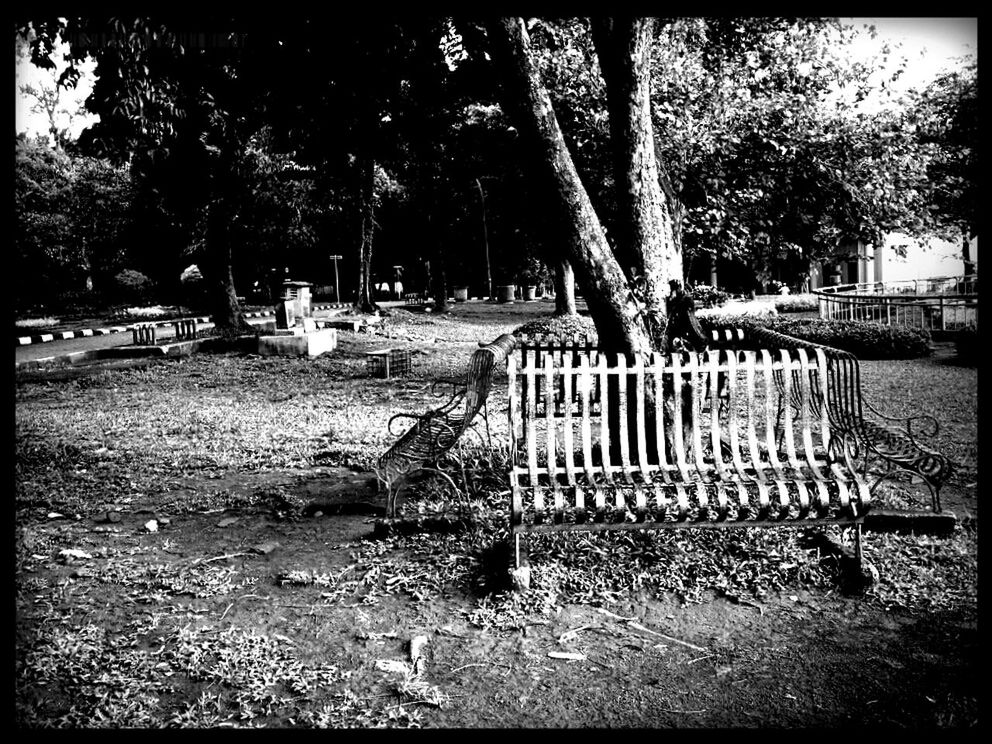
61,347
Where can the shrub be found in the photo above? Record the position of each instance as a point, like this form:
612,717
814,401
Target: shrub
863,339
194,288
558,326
32,323
132,286
155,311
705,295
800,303
728,314
966,345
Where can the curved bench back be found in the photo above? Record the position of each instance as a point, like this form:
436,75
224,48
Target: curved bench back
664,428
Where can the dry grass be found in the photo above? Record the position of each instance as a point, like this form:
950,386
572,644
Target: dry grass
133,438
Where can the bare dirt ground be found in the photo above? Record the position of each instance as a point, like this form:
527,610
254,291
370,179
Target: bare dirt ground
261,595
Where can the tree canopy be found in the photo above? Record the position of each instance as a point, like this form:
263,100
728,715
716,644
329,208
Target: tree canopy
256,145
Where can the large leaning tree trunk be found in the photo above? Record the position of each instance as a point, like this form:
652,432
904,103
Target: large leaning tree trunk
364,302
620,322
645,243
627,320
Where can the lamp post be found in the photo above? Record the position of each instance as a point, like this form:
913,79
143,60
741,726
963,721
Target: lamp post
337,291
397,281
485,239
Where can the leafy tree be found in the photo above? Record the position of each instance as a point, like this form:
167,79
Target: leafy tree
181,118
771,147
52,95
765,150
946,116
73,221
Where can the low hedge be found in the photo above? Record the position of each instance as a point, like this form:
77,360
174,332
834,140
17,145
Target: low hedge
864,340
799,303
705,295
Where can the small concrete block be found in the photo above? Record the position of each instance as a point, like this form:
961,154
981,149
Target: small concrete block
915,522
345,324
285,314
520,578
303,344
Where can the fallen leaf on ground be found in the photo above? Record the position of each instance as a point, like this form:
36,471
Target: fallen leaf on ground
70,554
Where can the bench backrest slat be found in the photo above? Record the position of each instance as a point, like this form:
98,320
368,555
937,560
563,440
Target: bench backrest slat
623,421
788,380
568,437
676,431
641,423
657,362
585,380
734,414
713,377
604,418
770,414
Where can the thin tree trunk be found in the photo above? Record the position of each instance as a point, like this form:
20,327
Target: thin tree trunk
222,297
364,302
969,265
439,283
620,323
564,288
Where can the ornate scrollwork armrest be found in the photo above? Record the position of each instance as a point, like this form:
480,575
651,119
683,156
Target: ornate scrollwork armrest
928,421
456,384
394,417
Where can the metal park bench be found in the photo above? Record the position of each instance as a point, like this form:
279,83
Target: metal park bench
733,462
875,444
436,432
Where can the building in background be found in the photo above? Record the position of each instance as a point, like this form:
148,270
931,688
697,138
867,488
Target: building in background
900,258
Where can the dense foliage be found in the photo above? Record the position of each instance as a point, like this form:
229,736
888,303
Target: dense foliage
259,145
73,230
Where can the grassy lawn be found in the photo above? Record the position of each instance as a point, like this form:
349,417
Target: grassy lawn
194,624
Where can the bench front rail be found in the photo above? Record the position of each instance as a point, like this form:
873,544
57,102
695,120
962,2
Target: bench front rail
656,459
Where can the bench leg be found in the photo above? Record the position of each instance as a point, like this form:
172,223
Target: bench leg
520,571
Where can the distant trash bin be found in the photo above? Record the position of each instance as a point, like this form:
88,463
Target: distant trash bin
505,292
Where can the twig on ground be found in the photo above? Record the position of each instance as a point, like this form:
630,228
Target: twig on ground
244,596
218,558
637,626
614,615
570,634
488,663
700,658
